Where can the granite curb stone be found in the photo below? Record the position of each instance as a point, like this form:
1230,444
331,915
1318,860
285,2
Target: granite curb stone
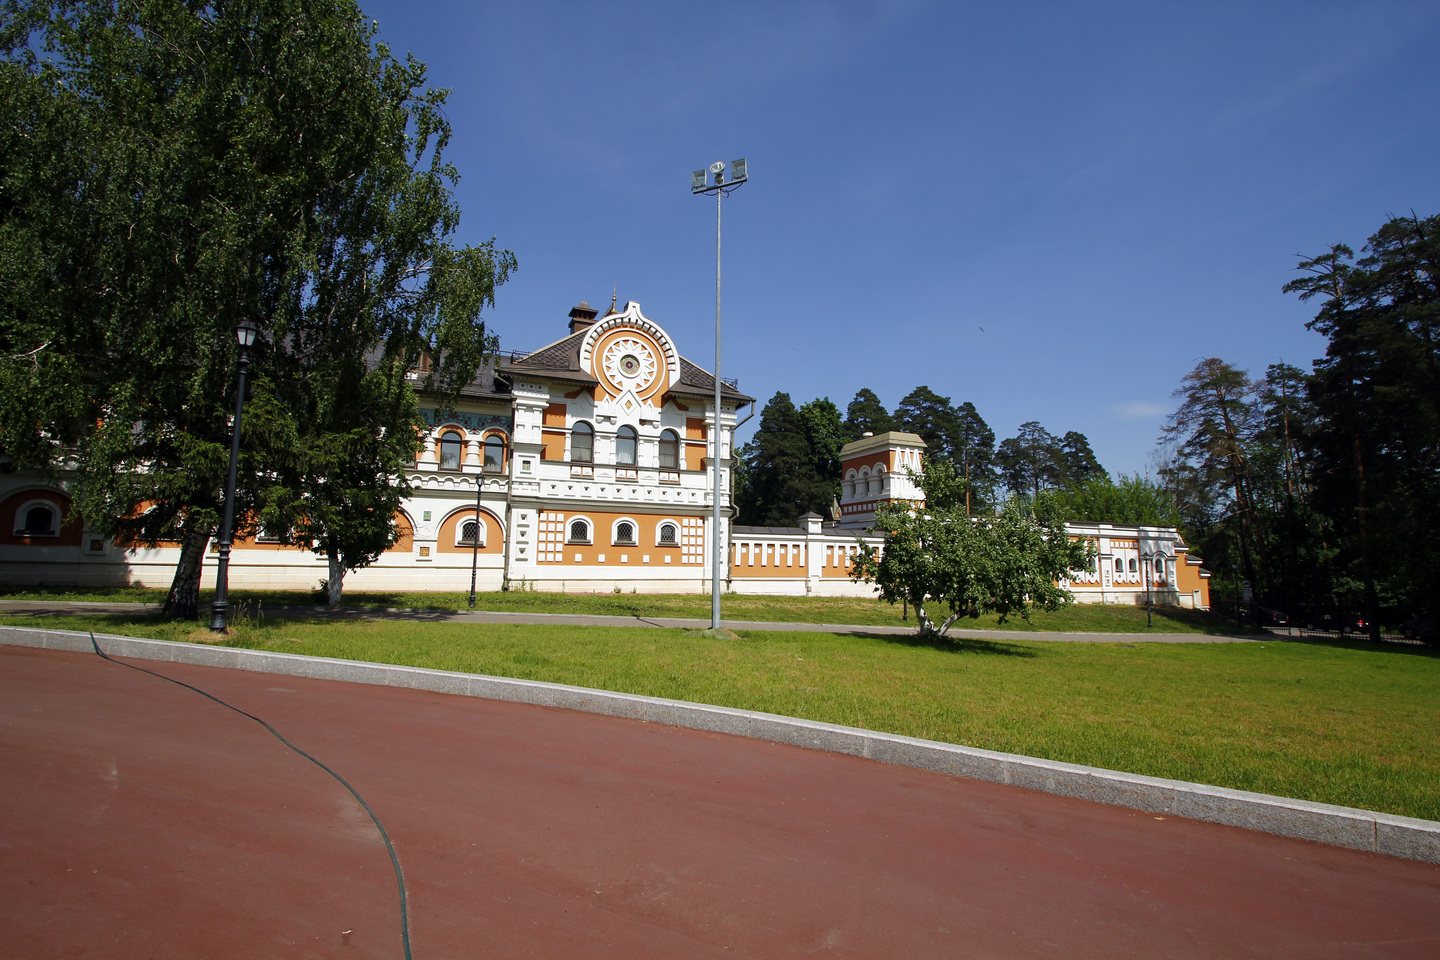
1405,837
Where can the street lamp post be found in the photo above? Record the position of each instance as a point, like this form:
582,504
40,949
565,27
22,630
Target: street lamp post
1149,569
245,334
721,187
475,542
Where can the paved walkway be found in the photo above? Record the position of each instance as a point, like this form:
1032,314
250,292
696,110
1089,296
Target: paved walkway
141,819
64,607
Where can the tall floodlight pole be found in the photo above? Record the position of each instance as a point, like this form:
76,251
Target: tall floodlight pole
721,187
245,336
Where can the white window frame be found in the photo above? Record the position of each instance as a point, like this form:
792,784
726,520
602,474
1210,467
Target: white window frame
504,451
589,530
674,523
466,517
570,443
440,451
56,513
634,540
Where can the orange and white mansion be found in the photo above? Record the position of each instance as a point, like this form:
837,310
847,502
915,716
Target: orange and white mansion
592,459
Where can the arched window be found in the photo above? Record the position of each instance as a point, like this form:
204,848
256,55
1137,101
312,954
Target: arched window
582,443
669,450
450,446
669,536
469,533
494,453
1119,567
39,521
625,533
579,532
1133,567
625,446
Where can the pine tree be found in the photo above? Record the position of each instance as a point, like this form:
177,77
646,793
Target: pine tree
932,418
1031,461
866,414
974,452
782,480
1376,447
1078,465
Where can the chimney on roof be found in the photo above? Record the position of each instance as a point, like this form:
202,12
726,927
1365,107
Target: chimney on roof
581,317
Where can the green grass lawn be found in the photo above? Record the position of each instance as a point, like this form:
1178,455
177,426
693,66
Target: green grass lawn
1087,618
1342,723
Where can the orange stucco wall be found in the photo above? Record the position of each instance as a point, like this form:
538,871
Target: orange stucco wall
653,392
554,445
494,533
1188,579
552,548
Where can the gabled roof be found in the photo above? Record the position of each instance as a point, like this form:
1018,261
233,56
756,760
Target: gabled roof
561,361
697,381
563,354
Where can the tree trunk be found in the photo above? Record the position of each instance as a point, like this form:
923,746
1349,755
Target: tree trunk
1362,516
337,579
183,601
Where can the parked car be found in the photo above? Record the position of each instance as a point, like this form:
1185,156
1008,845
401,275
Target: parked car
1423,629
1273,618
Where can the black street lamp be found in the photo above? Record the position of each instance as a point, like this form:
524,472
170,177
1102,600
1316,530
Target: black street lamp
1149,561
245,334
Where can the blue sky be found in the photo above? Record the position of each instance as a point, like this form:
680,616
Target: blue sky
1111,191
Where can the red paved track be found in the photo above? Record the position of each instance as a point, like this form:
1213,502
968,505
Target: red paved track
138,819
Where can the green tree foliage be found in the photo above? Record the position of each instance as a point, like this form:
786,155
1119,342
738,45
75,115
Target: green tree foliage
1031,461
1128,499
1375,452
932,417
866,413
947,565
782,475
1078,465
1211,429
974,454
1319,487
200,165
826,433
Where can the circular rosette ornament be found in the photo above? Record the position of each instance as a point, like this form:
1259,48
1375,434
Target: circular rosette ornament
630,363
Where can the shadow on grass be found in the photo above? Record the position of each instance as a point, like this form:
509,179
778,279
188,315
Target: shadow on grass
1357,643
953,644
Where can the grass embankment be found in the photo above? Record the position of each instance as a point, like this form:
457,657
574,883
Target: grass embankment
1083,618
1333,722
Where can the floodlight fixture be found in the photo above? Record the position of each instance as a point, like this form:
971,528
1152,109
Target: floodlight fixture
737,170
697,181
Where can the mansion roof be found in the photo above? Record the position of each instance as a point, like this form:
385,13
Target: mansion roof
561,360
